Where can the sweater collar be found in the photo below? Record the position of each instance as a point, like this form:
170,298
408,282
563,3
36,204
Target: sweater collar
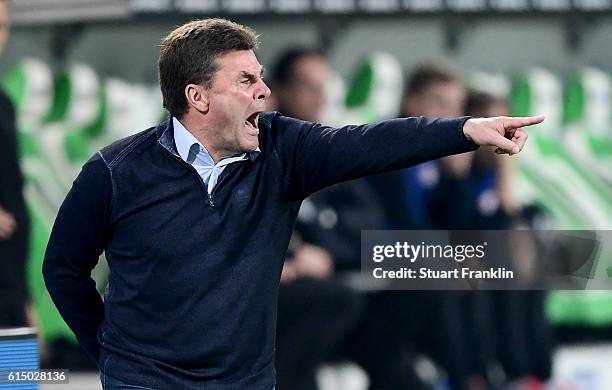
168,140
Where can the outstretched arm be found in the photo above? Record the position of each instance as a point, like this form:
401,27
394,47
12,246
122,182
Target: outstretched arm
317,156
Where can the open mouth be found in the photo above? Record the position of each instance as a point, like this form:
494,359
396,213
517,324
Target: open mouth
253,121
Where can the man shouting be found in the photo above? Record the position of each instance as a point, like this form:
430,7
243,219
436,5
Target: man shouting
195,215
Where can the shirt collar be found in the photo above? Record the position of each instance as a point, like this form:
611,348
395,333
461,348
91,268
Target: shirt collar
184,140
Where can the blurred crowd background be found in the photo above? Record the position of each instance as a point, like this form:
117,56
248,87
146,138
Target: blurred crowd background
79,74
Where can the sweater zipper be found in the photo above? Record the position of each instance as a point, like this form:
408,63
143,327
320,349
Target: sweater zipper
209,198
211,201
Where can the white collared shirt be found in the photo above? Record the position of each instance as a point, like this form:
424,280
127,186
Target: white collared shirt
194,153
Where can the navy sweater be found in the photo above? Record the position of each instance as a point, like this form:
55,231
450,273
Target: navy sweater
191,300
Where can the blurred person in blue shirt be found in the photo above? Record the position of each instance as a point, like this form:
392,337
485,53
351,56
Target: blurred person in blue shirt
432,91
510,327
411,197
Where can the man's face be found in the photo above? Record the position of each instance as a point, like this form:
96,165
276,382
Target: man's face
4,24
443,99
236,98
304,96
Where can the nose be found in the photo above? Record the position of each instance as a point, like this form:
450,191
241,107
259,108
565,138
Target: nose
263,91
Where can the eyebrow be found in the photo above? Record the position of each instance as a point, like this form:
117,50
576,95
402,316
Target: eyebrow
244,73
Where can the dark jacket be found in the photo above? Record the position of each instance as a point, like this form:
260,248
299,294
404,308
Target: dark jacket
14,251
191,301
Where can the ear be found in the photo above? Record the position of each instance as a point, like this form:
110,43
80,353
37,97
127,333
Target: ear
197,97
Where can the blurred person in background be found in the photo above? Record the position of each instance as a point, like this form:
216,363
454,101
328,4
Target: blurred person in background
467,333
433,91
515,331
14,224
314,310
334,217
439,330
496,205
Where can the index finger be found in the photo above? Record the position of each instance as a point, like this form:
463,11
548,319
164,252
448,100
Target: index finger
524,121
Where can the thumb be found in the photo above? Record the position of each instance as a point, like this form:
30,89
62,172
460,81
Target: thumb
505,144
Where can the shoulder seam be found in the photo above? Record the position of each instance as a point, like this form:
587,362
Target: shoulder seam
129,147
110,173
